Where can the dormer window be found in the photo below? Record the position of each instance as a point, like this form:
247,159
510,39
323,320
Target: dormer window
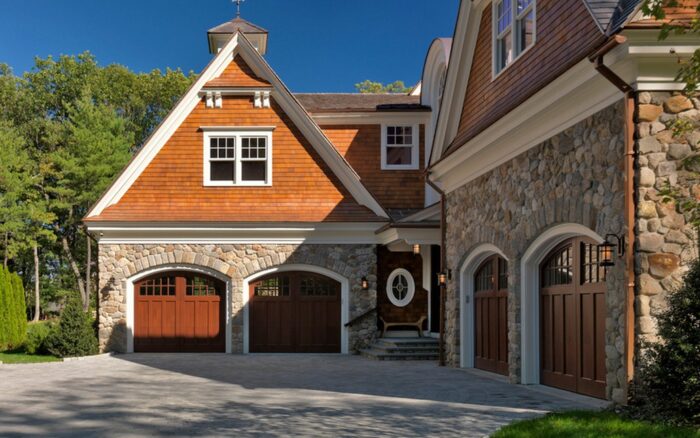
237,158
513,30
399,147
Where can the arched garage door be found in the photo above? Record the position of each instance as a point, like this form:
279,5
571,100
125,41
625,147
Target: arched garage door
179,312
572,312
294,312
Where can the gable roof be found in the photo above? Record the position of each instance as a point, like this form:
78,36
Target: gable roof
342,102
239,45
237,25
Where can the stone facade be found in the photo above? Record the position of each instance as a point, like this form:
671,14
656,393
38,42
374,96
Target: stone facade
577,176
117,263
665,240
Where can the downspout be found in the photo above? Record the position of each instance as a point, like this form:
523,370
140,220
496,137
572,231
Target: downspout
443,265
630,105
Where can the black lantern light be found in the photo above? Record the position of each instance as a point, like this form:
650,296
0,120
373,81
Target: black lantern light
606,250
365,283
416,249
442,278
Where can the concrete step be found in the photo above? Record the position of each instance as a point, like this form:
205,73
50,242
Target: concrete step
375,354
405,349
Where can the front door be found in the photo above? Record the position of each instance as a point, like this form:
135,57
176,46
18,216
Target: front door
295,312
179,312
572,313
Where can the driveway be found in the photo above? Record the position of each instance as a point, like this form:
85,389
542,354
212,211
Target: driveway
262,395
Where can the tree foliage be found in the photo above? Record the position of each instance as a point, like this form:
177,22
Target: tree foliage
67,128
370,87
13,315
689,71
74,335
668,386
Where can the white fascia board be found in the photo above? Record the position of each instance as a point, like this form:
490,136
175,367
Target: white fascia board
372,118
572,97
458,70
410,236
165,130
429,213
311,131
234,91
319,233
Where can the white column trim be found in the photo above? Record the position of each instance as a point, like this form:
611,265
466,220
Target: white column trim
344,300
130,299
529,293
466,300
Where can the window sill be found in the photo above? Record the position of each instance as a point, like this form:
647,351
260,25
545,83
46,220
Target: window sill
231,184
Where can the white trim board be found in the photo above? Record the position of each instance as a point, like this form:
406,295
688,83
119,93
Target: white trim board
372,118
344,300
239,45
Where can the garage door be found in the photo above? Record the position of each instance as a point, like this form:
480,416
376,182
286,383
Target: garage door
491,316
179,312
295,312
572,312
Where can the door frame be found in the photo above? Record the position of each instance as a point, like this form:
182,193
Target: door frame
131,299
530,263
466,299
344,300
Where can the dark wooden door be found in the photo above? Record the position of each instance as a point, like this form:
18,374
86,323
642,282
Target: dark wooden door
294,312
491,316
572,319
179,312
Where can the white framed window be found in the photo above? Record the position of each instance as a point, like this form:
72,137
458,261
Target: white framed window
513,31
400,287
400,145
238,158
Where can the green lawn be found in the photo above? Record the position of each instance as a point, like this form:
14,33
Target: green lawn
22,357
585,424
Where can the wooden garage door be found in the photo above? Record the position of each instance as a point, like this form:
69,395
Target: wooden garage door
572,313
295,312
491,316
179,312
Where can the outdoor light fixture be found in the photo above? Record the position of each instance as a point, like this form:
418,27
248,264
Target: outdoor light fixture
416,249
606,250
442,278
365,283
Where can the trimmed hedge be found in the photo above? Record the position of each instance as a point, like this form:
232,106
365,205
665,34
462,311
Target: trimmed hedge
13,313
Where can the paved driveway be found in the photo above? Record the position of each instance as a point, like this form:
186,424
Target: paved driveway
261,395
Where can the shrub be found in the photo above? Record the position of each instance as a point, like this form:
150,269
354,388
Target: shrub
13,315
37,333
74,334
668,385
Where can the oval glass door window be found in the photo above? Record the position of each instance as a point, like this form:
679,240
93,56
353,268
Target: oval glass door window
400,287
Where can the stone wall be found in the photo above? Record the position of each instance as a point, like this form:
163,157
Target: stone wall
577,176
665,240
117,263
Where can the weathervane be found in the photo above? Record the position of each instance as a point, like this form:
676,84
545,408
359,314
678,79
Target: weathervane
238,6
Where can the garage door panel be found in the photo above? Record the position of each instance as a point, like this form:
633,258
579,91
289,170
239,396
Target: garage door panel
491,316
295,312
179,312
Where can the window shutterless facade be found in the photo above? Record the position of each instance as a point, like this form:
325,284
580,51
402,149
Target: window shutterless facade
242,158
400,147
513,31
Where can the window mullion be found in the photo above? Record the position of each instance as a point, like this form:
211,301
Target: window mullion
238,156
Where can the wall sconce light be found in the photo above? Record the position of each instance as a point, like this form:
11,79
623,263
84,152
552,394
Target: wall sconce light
365,283
442,278
606,250
416,249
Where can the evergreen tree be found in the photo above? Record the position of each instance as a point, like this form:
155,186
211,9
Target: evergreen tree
4,312
20,309
74,335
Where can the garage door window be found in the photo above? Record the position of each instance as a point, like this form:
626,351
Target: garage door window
202,287
272,287
161,286
400,287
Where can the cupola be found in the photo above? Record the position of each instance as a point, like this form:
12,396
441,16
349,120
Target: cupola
219,35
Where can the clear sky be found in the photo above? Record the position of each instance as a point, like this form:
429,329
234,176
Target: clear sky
314,45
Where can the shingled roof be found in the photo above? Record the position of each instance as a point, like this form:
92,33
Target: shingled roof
611,14
237,23
359,102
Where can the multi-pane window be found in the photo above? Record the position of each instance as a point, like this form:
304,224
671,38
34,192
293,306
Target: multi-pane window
559,268
400,147
272,287
237,159
513,30
159,287
591,271
201,287
312,286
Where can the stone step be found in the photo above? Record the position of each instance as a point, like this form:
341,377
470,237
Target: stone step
372,353
406,349
408,342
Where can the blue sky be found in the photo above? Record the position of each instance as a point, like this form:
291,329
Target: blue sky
315,45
